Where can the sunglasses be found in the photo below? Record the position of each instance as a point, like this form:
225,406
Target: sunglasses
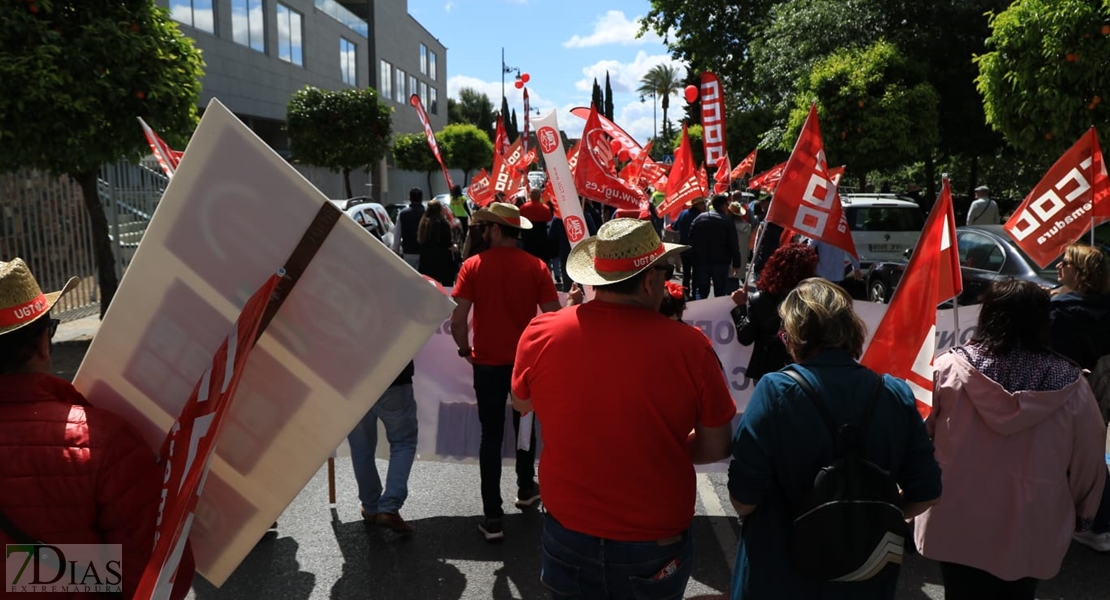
667,268
52,327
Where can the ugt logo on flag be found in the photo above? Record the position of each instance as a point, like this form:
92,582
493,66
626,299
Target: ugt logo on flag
63,568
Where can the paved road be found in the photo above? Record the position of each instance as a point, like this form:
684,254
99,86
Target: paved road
321,551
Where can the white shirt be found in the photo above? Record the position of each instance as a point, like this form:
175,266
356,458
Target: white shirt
983,211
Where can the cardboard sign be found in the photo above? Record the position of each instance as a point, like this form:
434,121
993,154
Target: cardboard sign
232,214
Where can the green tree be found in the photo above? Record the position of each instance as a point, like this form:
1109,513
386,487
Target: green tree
475,108
608,97
875,108
72,81
664,81
1044,80
338,130
697,146
511,126
412,153
466,147
597,99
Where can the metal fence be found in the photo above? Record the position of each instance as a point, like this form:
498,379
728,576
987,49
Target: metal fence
43,220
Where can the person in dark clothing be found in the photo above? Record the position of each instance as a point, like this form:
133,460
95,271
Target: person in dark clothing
534,240
590,208
757,318
560,245
714,249
437,258
408,222
682,226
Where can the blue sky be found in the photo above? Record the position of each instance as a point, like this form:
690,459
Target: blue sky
562,44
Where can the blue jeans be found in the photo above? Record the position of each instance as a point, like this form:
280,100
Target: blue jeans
397,411
718,273
491,390
576,565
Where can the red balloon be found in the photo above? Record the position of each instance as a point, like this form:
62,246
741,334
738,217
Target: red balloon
519,84
691,93
525,77
624,155
614,146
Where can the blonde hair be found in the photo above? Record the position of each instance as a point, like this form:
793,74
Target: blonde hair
1091,273
818,315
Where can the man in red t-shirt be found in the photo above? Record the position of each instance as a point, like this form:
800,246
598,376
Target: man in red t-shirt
618,462
504,285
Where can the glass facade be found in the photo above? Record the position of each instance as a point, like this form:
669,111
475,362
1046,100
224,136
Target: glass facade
348,57
432,65
247,24
385,81
290,35
399,86
194,13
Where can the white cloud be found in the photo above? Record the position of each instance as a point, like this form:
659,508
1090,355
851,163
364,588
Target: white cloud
625,77
613,28
447,7
493,90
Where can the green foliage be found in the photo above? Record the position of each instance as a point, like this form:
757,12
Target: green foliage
608,98
73,79
1044,80
596,98
412,153
466,147
875,109
697,145
475,108
662,80
338,130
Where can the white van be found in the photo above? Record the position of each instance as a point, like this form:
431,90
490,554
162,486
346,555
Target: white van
883,226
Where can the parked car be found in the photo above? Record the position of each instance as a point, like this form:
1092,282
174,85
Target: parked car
987,253
883,226
537,179
444,199
373,217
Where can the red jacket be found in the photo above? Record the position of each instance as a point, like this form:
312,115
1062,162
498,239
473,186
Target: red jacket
74,474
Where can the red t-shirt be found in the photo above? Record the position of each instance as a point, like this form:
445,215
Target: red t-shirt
617,390
536,212
506,285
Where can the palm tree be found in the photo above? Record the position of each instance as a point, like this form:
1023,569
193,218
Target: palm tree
661,80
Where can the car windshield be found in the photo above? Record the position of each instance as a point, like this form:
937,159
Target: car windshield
885,218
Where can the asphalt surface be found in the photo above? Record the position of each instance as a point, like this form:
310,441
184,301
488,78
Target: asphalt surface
323,551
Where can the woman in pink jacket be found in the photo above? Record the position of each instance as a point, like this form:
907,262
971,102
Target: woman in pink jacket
1020,442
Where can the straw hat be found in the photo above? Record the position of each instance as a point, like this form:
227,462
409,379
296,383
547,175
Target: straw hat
738,209
503,214
621,249
21,298
695,201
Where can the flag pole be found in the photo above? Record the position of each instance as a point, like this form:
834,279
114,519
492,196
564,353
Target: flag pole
956,300
755,252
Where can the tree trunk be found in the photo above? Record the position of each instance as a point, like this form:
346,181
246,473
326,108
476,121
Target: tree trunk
102,245
466,177
347,182
430,194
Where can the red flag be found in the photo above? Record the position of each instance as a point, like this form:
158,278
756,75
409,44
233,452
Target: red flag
652,171
414,100
682,183
634,172
505,177
703,180
500,138
167,157
905,341
746,166
722,179
806,199
188,448
480,190
572,157
767,180
712,119
1071,197
951,280
593,178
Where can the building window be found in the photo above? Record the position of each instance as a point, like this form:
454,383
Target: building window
423,59
424,93
347,61
194,13
432,99
412,85
247,26
432,65
290,35
399,85
385,81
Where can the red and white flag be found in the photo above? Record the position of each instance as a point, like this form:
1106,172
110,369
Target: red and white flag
167,157
594,177
746,166
480,190
806,199
191,442
712,119
683,182
633,172
767,180
652,171
722,179
905,341
500,138
1072,197
414,100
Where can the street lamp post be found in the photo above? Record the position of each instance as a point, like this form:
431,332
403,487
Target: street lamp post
506,69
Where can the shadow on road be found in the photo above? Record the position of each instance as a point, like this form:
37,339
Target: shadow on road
270,571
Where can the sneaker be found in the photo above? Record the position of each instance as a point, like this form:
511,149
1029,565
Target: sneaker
1100,542
491,528
393,521
528,497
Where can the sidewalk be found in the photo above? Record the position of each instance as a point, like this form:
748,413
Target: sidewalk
79,330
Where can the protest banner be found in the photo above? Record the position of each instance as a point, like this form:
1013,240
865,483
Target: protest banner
234,213
713,120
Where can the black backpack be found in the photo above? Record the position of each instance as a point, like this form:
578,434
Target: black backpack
851,526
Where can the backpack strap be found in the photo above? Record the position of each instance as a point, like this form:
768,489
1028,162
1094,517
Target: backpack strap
826,416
